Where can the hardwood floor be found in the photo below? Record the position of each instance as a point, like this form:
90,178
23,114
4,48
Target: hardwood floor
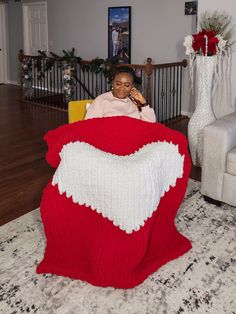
23,169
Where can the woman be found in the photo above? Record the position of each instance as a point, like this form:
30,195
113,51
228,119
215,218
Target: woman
123,100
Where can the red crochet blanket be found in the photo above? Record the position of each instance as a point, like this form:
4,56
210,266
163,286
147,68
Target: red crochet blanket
82,244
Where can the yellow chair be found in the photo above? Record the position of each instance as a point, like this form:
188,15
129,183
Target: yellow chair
77,109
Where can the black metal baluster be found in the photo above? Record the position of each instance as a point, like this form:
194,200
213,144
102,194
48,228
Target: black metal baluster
177,93
166,116
171,111
96,88
57,82
162,111
163,94
80,72
101,85
174,91
88,82
76,83
39,87
93,83
181,77
48,90
44,83
84,84
154,92
33,79
52,86
167,93
159,95
61,86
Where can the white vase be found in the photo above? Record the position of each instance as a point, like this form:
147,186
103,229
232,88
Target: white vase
203,114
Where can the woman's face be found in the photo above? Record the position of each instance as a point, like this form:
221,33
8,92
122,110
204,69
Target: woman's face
122,85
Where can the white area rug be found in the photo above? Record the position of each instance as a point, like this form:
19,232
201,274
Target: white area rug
201,281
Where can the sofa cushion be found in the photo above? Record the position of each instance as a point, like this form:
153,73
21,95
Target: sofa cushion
231,162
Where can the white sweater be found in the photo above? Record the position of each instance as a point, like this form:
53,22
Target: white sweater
106,105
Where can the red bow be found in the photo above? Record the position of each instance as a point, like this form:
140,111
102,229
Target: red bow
199,42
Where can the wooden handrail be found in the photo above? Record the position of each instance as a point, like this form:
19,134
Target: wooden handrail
183,63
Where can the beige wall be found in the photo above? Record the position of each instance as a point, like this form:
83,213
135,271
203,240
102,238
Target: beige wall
158,27
158,30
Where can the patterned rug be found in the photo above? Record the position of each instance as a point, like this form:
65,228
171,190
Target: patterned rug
201,281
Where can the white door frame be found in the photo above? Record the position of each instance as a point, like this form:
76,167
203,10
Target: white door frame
4,41
25,8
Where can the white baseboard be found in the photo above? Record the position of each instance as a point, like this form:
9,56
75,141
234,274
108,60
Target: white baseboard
186,113
13,83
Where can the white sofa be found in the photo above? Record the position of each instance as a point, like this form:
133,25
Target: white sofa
218,181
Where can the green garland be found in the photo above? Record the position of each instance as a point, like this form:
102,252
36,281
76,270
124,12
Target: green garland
44,63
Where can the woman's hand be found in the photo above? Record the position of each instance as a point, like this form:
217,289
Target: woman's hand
134,93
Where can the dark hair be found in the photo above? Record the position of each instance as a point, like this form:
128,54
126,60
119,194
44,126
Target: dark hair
124,69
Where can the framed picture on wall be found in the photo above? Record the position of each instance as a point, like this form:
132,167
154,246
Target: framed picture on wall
191,8
119,34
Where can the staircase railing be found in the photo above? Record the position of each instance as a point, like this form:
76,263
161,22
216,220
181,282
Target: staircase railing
160,83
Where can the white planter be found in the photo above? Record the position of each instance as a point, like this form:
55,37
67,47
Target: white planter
203,114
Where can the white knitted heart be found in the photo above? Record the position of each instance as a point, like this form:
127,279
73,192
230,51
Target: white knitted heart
125,189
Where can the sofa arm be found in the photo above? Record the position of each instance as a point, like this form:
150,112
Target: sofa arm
219,137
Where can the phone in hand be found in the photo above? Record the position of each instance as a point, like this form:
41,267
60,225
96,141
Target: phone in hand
136,102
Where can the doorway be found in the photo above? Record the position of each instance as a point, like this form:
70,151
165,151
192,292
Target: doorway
35,27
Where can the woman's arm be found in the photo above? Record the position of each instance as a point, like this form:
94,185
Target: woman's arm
148,114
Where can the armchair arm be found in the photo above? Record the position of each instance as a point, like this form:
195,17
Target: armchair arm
218,139
77,109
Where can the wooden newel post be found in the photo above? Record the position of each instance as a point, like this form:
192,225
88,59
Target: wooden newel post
185,63
148,71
